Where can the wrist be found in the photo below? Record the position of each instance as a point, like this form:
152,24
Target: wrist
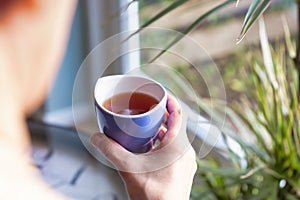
153,191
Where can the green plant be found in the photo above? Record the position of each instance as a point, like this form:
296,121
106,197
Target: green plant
256,8
267,166
270,166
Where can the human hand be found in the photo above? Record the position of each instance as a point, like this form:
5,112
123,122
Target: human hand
166,172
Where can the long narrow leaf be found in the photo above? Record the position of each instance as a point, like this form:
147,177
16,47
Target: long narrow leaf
290,45
256,9
191,27
296,127
250,11
267,56
168,9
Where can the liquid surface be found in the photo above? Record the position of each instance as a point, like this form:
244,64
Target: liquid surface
130,103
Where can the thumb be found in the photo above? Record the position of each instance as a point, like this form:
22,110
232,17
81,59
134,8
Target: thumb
114,152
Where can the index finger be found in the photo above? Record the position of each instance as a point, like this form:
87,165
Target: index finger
172,104
173,123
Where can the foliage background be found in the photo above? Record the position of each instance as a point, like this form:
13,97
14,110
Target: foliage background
263,109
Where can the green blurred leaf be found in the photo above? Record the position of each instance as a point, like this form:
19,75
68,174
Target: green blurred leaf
191,27
168,9
267,56
256,8
291,46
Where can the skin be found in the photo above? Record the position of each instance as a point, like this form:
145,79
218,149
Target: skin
32,43
33,36
142,177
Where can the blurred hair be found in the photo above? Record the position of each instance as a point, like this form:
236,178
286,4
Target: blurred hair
8,5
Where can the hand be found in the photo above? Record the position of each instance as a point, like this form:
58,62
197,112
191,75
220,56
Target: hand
166,172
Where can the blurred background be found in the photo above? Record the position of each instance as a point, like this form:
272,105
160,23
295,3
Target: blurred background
97,20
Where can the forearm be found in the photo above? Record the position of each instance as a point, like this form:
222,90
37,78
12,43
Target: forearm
156,194
156,190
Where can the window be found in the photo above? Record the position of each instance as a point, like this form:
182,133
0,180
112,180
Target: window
94,22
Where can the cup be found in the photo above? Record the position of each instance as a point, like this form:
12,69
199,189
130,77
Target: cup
136,126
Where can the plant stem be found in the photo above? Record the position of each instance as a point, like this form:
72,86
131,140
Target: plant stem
297,58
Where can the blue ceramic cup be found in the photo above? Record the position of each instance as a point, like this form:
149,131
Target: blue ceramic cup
135,132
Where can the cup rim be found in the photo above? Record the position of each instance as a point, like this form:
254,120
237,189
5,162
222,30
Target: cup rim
130,116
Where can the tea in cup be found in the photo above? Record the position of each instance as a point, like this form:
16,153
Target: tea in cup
130,110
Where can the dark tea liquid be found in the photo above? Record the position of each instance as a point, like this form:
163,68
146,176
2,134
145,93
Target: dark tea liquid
130,103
